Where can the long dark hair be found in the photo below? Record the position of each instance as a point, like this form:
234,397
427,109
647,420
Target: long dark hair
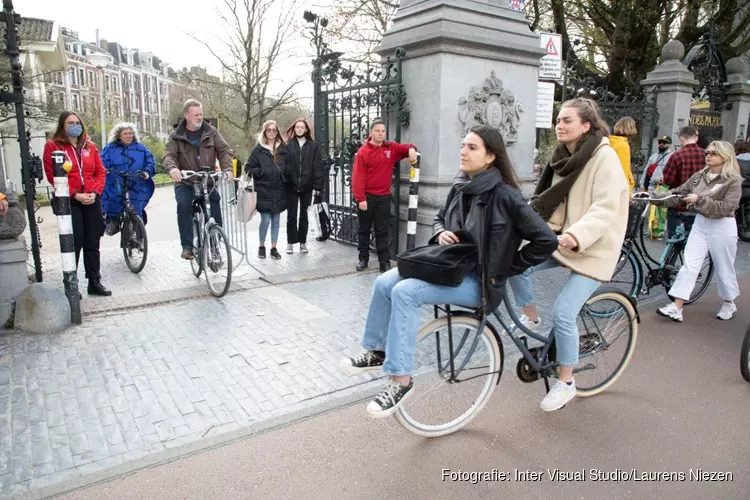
494,143
308,131
60,135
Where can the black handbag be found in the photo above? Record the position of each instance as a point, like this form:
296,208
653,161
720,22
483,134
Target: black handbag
445,265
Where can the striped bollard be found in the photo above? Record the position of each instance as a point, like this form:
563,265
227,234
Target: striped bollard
65,228
411,223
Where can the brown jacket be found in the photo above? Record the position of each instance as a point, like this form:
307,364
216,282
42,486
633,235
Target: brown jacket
716,199
179,153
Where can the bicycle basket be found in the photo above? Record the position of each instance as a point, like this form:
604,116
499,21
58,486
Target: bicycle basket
635,216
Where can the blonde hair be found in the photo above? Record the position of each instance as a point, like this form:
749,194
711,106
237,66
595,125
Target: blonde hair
626,127
263,139
114,134
731,167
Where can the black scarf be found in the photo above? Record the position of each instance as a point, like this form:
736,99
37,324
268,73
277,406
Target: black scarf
547,197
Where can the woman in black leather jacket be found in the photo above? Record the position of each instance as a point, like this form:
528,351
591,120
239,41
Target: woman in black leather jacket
393,318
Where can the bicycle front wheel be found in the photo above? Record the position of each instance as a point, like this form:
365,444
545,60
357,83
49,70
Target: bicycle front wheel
440,406
745,356
702,282
217,261
627,276
196,264
608,329
134,243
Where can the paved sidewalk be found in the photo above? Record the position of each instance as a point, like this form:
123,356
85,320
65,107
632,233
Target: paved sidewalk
680,406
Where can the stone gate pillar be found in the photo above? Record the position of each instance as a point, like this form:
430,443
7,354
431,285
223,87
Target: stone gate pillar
466,63
13,255
675,84
735,119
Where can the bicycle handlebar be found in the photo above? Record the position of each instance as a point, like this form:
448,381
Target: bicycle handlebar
186,174
125,175
649,198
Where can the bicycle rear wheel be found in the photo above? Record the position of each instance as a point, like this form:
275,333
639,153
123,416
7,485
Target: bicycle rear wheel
134,243
745,356
608,332
439,406
197,263
217,261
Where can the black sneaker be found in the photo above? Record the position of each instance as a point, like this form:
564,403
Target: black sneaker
388,400
362,265
261,252
275,254
187,254
368,361
385,266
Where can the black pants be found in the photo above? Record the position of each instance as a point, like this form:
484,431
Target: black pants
378,214
675,218
295,201
88,226
184,196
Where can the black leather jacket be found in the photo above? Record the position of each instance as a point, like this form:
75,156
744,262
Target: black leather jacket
511,221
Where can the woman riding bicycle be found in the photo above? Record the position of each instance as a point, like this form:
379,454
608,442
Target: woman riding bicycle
393,318
714,193
584,196
125,154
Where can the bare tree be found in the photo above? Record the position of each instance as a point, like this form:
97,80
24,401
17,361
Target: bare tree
253,46
361,24
39,110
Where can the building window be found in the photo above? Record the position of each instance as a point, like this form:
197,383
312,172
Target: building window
106,82
75,101
81,77
92,82
114,84
72,76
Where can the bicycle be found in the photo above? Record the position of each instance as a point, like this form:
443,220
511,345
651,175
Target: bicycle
444,360
209,239
634,258
745,356
133,236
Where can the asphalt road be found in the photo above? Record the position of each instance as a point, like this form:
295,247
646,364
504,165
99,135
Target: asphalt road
680,408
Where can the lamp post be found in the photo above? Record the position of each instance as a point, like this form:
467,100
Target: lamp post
101,61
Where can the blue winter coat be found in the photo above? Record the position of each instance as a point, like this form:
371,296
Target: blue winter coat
132,158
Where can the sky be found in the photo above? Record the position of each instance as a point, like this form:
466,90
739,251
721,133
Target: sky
162,27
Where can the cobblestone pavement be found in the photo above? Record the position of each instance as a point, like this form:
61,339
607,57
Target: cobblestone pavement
137,381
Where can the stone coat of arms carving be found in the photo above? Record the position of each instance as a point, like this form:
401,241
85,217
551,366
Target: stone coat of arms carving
491,104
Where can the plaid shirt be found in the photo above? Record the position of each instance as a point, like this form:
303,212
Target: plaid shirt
681,166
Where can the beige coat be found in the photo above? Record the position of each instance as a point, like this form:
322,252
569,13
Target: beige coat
595,213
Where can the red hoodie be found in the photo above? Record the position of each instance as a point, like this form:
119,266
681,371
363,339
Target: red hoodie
373,168
86,176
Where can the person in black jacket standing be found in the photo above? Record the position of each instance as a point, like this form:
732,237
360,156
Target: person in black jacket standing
268,166
304,182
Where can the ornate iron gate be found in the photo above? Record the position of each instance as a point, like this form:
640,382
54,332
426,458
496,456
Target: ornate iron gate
345,103
12,96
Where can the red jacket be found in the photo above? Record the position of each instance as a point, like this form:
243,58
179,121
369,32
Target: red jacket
86,176
373,168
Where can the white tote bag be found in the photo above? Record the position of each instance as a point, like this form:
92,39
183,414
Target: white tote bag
247,201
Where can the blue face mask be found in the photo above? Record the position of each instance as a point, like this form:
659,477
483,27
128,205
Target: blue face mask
74,130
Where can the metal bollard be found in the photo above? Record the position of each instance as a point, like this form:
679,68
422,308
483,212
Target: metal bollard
65,227
411,223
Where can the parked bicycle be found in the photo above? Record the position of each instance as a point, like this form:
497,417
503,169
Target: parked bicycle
210,243
634,271
459,359
745,356
133,237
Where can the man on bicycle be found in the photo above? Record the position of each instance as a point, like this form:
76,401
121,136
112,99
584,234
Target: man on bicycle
192,145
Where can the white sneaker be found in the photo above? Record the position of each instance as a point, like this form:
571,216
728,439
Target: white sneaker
670,311
558,396
528,324
303,248
290,249
727,311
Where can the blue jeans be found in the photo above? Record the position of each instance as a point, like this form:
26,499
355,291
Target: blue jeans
574,294
265,220
393,318
184,196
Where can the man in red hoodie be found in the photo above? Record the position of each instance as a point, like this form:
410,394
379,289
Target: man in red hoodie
371,185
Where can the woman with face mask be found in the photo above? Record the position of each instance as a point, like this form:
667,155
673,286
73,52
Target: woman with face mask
124,153
86,182
304,182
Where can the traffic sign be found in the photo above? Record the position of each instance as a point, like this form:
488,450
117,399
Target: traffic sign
551,63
